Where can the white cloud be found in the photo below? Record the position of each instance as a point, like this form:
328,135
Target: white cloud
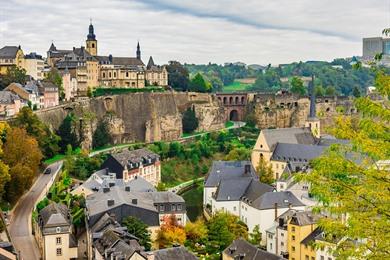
253,31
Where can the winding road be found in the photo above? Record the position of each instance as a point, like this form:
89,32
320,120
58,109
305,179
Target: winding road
20,228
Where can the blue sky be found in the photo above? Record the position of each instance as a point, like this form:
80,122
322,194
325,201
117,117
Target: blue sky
201,31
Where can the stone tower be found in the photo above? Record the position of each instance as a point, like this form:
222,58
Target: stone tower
91,41
312,121
138,52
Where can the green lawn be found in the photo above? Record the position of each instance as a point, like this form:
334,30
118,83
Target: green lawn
194,201
236,86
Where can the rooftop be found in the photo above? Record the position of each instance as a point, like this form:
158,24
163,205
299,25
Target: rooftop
174,253
9,51
241,248
224,170
55,214
301,135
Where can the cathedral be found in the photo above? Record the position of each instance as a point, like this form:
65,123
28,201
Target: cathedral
85,69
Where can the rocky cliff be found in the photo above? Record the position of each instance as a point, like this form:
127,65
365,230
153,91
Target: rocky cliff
138,117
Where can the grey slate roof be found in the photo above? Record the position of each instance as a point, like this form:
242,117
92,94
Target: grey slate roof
7,97
241,248
303,218
123,61
288,135
329,141
55,214
256,189
311,237
174,253
284,199
132,159
9,52
296,152
221,170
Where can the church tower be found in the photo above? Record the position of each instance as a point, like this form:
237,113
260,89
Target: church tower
312,121
138,52
91,41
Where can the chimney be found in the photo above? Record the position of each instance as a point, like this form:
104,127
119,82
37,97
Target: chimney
110,58
106,189
281,222
232,250
134,201
127,188
247,169
276,211
110,202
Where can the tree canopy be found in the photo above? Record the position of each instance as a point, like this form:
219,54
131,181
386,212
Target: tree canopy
190,121
139,229
297,86
14,74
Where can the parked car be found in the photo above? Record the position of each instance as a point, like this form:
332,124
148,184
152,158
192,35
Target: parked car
47,171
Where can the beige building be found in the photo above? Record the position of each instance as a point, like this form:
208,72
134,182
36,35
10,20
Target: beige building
34,65
10,104
54,233
11,56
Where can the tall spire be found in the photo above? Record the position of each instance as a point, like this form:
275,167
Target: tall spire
312,113
138,51
91,35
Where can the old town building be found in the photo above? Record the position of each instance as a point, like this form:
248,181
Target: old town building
92,70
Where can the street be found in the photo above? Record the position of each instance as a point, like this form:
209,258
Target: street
20,226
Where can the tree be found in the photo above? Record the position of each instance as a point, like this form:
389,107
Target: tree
356,92
330,91
199,84
139,229
170,233
4,169
178,76
47,140
22,155
190,121
255,236
55,77
13,74
175,149
297,86
196,231
101,136
264,170
67,133
238,154
351,186
319,91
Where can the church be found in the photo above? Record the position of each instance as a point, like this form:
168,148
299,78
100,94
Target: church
85,69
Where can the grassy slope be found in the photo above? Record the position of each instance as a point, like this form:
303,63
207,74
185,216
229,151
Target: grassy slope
236,86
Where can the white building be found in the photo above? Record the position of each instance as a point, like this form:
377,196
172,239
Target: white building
34,65
233,187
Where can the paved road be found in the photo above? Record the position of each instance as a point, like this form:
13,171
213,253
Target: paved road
20,226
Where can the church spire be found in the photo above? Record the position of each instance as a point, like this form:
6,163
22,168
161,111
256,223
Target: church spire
91,35
138,51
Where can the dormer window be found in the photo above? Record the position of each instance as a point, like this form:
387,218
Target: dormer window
58,230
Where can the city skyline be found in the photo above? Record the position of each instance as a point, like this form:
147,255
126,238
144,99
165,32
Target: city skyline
201,32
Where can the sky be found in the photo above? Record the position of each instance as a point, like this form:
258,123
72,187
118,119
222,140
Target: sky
198,31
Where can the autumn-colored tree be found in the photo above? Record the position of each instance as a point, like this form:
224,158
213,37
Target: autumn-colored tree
4,169
353,185
196,231
170,233
264,170
23,156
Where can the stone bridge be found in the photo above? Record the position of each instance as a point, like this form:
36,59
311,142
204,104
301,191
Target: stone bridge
234,104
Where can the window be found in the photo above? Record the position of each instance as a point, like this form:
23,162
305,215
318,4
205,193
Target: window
305,246
234,208
282,243
270,236
313,258
179,207
282,234
58,240
58,229
306,257
161,207
329,258
293,238
322,257
59,251
173,207
270,246
93,45
293,229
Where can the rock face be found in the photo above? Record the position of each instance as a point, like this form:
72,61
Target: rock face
137,117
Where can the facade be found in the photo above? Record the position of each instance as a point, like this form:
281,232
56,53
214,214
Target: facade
121,202
232,187
10,104
301,225
49,91
54,233
34,65
128,165
92,70
375,45
242,249
11,56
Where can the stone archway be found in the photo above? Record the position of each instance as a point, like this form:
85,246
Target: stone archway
234,116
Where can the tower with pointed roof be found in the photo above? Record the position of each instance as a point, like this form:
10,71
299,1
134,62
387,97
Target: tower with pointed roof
312,121
91,42
138,51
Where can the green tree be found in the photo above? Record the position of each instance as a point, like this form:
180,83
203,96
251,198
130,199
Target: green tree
351,186
264,170
67,133
255,236
330,91
4,169
13,74
175,149
190,121
47,140
55,77
238,154
178,76
139,229
319,91
297,86
356,92
101,136
196,231
199,84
